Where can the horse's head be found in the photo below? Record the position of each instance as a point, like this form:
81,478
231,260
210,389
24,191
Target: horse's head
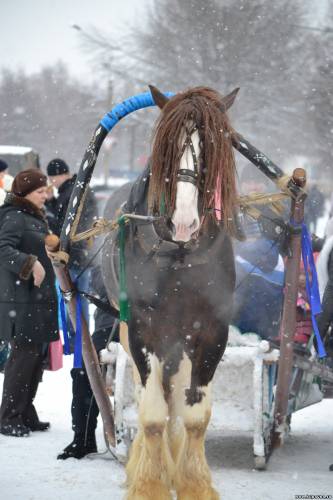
193,168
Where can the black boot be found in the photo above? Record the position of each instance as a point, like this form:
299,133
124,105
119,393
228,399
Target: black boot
80,447
16,430
331,467
31,420
38,426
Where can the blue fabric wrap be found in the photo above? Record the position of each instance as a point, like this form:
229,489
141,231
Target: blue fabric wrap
78,334
67,349
276,276
126,107
312,286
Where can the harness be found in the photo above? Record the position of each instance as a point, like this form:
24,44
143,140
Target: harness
164,252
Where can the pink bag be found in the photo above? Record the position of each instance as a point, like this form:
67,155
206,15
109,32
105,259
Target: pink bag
55,356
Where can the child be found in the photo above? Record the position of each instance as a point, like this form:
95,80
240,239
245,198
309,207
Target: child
303,312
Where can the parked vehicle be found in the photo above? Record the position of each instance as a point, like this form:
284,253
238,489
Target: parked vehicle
19,158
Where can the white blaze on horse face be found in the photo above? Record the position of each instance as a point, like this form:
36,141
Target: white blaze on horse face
185,218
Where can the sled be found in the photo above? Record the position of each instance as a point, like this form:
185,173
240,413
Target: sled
248,375
280,380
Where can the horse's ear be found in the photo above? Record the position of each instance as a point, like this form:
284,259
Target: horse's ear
228,100
159,98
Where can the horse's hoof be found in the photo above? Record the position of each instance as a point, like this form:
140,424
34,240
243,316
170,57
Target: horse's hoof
149,490
198,494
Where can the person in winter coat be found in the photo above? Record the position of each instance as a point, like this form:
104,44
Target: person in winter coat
84,408
59,176
259,266
5,186
324,267
28,301
5,181
304,327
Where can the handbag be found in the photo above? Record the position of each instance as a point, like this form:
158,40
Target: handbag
55,353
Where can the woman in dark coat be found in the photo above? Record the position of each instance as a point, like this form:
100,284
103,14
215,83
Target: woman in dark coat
28,301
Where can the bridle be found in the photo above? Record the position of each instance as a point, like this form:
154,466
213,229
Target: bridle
185,174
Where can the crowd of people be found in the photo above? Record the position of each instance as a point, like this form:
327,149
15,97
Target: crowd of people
29,300
29,210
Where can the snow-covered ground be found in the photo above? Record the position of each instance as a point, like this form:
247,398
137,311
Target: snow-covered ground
29,469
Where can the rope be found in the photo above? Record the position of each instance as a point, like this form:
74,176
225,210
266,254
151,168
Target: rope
104,226
273,199
99,227
59,256
282,183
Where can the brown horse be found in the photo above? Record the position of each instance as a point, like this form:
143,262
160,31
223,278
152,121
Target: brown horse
180,278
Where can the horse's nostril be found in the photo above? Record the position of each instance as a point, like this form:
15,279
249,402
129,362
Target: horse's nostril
172,227
194,226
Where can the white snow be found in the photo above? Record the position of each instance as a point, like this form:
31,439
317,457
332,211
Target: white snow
29,469
14,150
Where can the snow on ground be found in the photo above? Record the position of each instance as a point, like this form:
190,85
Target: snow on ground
29,469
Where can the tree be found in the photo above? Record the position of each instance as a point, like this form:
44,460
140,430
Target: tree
320,98
48,111
254,45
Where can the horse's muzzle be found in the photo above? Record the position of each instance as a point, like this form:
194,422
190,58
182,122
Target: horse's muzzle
184,233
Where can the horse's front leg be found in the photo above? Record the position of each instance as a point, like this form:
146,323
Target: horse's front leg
193,479
150,468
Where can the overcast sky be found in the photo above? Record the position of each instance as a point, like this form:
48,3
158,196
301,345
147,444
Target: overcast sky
38,32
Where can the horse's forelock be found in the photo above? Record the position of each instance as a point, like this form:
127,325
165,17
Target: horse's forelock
199,105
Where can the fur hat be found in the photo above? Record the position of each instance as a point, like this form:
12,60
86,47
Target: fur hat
3,165
27,181
57,167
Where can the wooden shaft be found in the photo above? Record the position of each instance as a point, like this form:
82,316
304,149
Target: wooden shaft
288,322
89,354
266,166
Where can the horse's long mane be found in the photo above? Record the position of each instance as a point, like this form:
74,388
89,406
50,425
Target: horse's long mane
201,106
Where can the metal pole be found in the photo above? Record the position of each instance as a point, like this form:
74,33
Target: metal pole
288,323
89,354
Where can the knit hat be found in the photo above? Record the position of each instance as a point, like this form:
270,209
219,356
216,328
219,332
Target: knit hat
3,165
27,181
57,167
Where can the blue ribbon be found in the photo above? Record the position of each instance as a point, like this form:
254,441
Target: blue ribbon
67,349
312,286
131,104
78,331
78,334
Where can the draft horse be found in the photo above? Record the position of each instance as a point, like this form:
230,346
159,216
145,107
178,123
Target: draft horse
180,278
